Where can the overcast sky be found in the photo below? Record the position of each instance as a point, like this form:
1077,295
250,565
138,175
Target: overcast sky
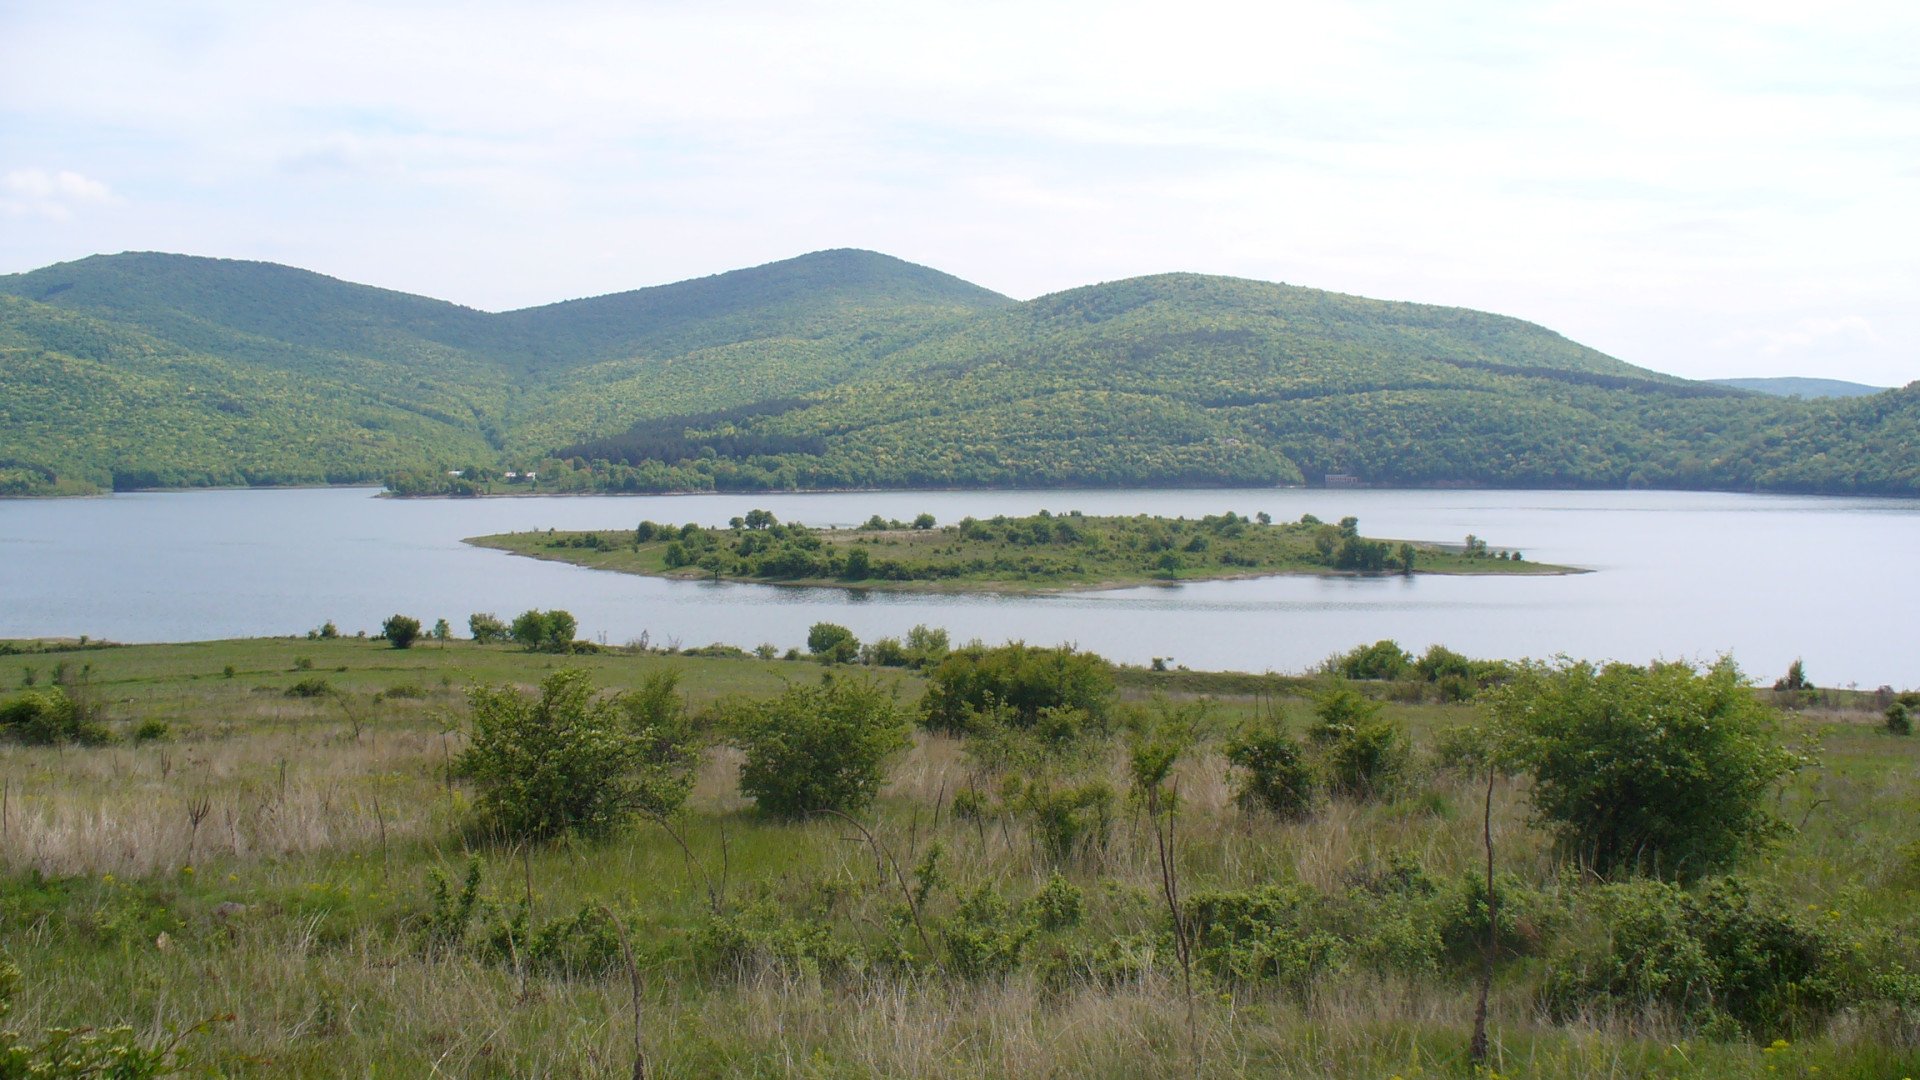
1704,188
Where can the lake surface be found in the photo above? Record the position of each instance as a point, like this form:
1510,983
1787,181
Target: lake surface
1677,575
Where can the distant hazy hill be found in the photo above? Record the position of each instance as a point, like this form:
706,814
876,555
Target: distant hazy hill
1795,386
849,368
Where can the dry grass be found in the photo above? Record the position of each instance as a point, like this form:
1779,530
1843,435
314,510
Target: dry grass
284,791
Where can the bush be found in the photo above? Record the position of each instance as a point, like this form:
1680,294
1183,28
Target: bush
1367,760
49,716
1275,775
1380,660
485,628
1067,818
152,730
310,688
400,631
1440,662
1899,719
1018,679
1268,934
568,761
1663,768
1340,709
831,643
545,631
887,652
821,747
926,646
1729,951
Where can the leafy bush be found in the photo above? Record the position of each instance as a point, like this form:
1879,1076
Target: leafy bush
1367,760
1270,934
1899,719
1274,775
48,716
400,631
152,729
1066,818
926,646
1663,768
1380,660
485,628
1728,951
1020,679
831,643
821,747
1339,709
986,935
310,688
545,631
761,936
569,761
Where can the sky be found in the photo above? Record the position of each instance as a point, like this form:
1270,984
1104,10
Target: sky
1708,189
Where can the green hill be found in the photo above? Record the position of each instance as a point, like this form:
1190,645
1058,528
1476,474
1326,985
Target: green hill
850,368
1798,386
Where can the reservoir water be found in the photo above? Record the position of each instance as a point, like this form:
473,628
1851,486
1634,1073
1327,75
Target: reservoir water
1676,575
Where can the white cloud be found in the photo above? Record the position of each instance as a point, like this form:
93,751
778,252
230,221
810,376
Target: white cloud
1805,337
51,195
1652,179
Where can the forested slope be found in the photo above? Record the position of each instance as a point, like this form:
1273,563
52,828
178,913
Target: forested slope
850,368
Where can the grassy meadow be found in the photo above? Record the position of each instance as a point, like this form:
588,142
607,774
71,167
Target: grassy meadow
293,859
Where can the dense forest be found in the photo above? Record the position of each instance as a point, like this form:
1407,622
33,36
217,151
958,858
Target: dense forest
853,369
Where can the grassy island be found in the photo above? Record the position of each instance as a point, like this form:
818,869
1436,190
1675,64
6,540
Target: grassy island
1044,552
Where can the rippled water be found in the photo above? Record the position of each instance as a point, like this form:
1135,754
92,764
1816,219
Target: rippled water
1677,575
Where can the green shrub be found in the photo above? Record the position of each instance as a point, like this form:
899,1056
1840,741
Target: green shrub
1067,818
985,936
310,688
1466,749
886,652
1339,709
486,629
831,643
400,631
1381,660
1058,905
569,761
1270,934
1728,951
1018,679
1275,775
926,646
1664,769
821,747
1367,760
761,936
1899,719
152,729
544,631
50,715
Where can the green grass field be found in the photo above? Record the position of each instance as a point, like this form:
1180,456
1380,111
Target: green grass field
271,857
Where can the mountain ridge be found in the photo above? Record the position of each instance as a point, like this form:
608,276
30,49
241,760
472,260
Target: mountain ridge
846,367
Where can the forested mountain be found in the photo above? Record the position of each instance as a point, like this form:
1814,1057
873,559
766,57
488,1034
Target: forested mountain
849,368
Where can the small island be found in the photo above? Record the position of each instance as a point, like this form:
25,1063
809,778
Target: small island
1042,553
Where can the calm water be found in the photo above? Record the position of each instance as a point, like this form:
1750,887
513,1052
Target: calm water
1677,575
